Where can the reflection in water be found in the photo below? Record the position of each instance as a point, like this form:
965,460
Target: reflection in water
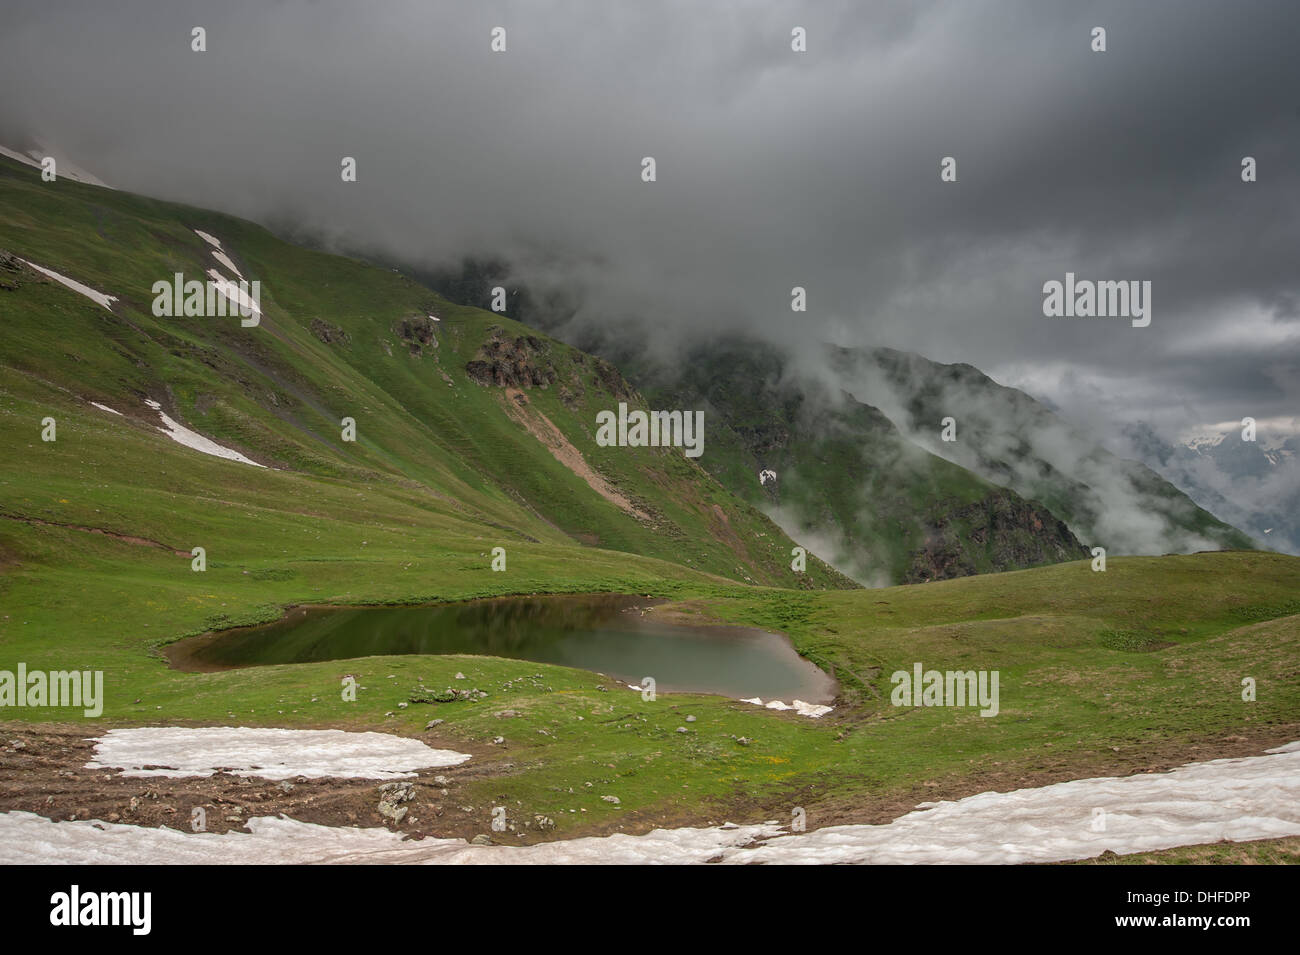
611,634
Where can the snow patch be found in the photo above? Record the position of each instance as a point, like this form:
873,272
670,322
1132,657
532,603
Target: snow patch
233,293
814,710
225,260
268,753
14,154
218,253
106,408
28,838
63,169
98,297
1256,797
192,439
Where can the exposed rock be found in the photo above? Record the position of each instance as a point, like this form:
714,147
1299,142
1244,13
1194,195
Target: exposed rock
611,380
1012,531
520,362
391,797
10,267
417,334
329,334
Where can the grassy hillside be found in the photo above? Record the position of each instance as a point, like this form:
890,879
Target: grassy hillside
338,339
874,503
1136,668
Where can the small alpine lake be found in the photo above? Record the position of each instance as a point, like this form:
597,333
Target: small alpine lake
615,635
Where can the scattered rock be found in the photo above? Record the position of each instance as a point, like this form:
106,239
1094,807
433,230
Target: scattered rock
329,334
391,797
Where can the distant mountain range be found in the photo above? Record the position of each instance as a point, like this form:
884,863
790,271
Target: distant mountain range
845,450
863,470
1255,487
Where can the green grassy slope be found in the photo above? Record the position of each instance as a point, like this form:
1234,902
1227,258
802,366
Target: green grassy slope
336,341
1129,669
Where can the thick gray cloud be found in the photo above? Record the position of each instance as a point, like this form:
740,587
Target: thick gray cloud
775,168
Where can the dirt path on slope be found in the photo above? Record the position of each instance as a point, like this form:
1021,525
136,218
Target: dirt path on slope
125,538
518,407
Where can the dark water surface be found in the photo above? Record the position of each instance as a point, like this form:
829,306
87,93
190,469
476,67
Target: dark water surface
610,634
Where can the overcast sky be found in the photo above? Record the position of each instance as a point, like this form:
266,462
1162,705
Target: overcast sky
775,168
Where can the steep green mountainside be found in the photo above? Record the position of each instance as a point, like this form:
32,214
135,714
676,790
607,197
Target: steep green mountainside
1005,436
483,458
838,475
857,431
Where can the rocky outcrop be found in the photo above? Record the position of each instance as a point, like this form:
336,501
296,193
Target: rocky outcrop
504,362
611,380
417,334
10,268
1002,532
329,334
391,798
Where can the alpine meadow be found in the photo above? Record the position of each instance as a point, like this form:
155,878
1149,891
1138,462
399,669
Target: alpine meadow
595,445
